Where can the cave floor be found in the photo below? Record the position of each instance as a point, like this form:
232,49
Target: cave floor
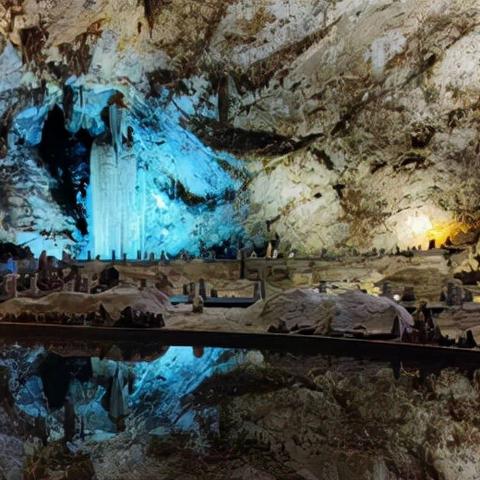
212,413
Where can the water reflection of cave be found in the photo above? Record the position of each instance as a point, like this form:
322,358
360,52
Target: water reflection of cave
126,386
66,157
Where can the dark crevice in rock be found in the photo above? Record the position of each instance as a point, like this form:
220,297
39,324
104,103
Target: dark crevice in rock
223,99
234,172
161,78
186,196
339,187
468,278
5,123
430,61
58,70
422,136
411,159
455,117
178,191
262,71
324,158
66,157
152,9
33,40
343,123
240,141
378,165
56,373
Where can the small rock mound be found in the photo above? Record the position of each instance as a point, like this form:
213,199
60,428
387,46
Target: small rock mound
305,310
114,301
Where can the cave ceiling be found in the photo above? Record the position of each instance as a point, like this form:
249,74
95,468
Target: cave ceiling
344,123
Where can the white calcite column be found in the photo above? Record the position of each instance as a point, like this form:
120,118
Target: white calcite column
114,217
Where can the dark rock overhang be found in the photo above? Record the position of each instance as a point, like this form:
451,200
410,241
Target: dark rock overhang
220,136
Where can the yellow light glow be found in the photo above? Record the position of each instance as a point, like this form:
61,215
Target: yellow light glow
440,231
370,288
425,229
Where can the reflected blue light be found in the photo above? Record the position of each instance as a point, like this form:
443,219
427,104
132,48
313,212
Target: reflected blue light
174,376
162,389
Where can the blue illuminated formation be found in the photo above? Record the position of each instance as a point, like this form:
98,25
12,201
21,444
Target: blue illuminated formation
154,186
174,376
161,391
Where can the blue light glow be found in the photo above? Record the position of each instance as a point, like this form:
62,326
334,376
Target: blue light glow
133,194
154,186
161,391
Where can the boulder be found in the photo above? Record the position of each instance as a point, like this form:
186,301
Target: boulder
305,309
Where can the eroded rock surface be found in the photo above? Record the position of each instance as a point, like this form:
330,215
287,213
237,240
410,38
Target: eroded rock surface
359,119
298,310
359,424
247,415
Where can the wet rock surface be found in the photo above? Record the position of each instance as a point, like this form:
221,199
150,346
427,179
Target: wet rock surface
354,421
269,417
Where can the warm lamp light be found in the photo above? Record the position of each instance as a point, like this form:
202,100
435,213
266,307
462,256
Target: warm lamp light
424,229
441,231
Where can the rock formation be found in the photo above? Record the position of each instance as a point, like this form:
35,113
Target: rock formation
305,310
350,124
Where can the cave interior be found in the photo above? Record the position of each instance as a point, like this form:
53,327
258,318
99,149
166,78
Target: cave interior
239,239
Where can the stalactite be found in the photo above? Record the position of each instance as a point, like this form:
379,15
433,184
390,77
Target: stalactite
115,115
33,40
68,102
81,98
142,206
152,8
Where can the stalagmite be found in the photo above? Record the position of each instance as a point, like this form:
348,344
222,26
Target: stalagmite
81,101
115,115
33,283
197,302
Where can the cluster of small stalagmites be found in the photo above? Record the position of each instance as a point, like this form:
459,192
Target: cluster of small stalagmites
453,293
129,318
48,317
